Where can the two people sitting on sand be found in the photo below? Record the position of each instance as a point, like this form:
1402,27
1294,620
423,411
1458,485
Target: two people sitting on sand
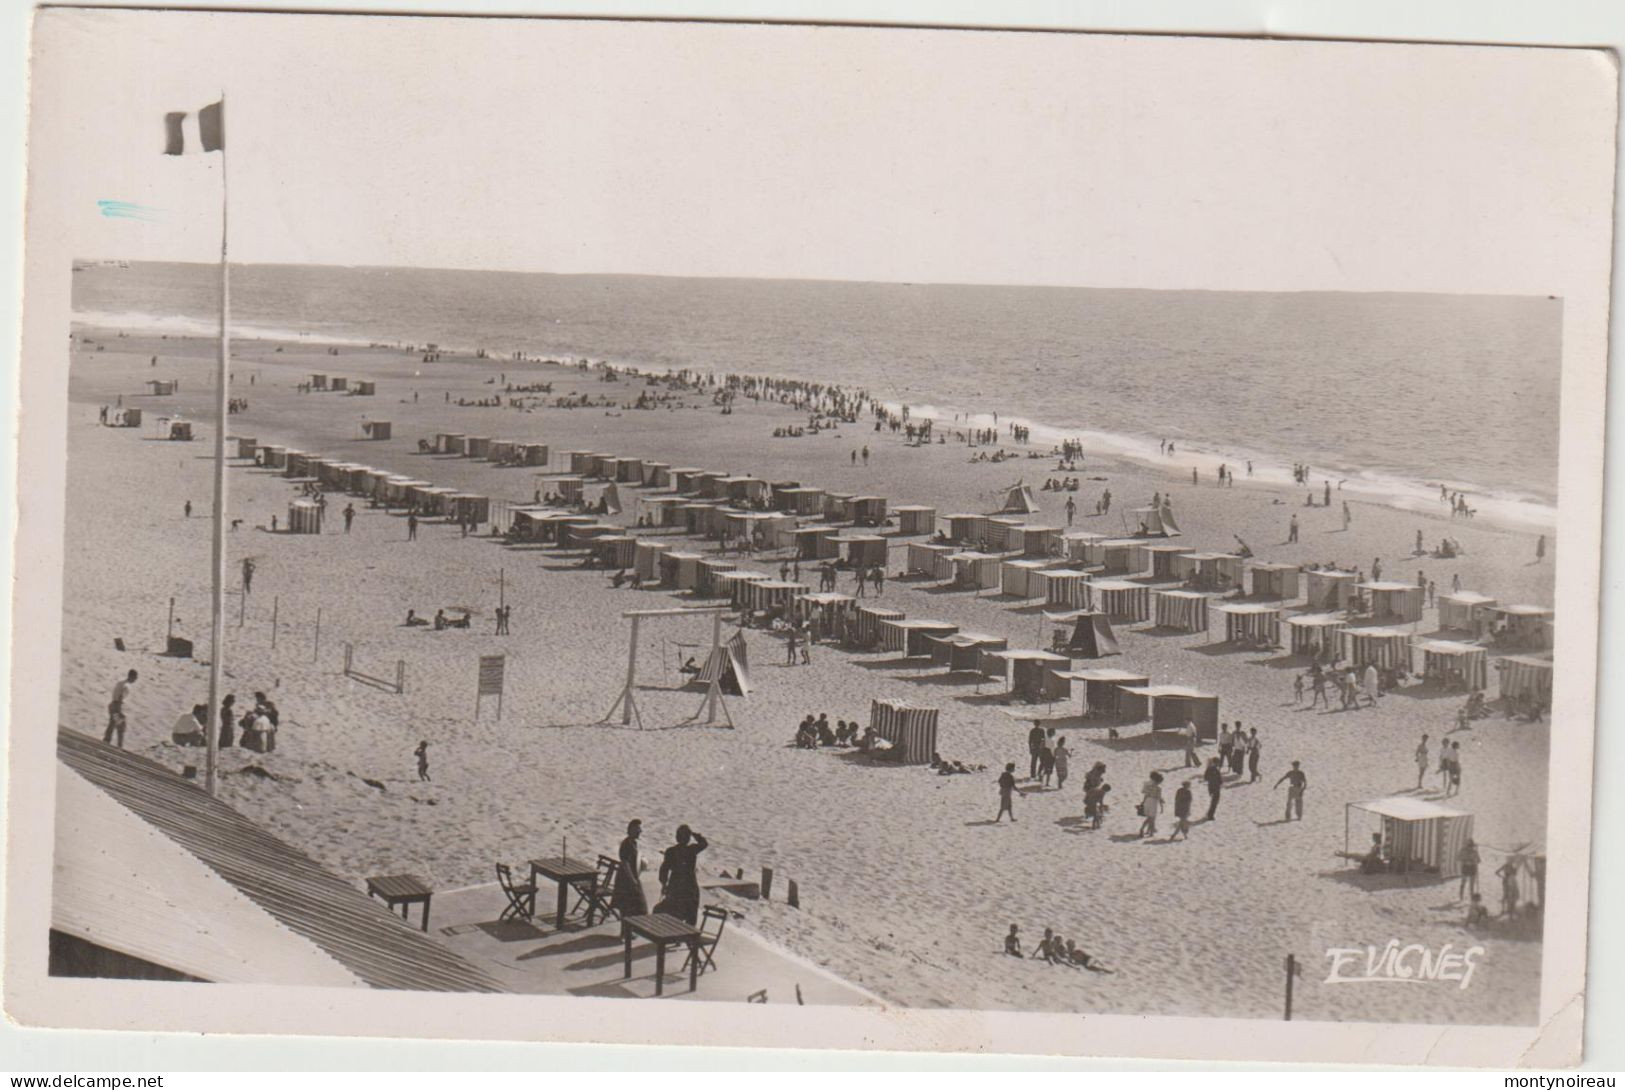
1054,950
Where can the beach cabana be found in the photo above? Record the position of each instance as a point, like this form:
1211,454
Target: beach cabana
364,388
661,510
1170,706
1278,581
773,596
731,584
808,502
866,624
778,490
1395,602
582,535
469,507
1185,610
576,460
630,470
377,429
911,731
1524,677
865,551
869,510
318,382
127,417
1033,540
601,467
526,523
1156,521
1162,559
1075,545
1020,578
1121,600
1103,690
838,506
1524,627
1330,589
1314,633
931,561
160,387
304,517
1251,624
656,474
615,551
915,519
1044,578
271,457
1384,648
912,638
745,490
1120,556
825,611
998,531
501,451
962,652
1464,611
1019,499
704,517
1067,589
180,431
477,446
1416,835
449,442
531,454
1029,670
967,529
392,491
685,479
815,542
246,446
1463,666
1086,634
708,485
680,571
338,382
977,570
1209,571
706,585
646,559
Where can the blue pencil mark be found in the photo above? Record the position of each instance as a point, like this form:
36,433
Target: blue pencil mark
124,210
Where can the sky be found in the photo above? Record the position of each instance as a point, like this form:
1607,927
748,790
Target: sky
833,153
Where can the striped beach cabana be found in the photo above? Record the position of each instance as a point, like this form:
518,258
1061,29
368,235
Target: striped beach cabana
304,517
615,551
967,529
773,595
601,466
962,651
247,446
449,442
1102,689
364,388
575,461
996,533
980,571
838,506
294,463
911,731
1185,610
815,542
869,510
569,489
1399,603
1121,600
1075,545
318,382
656,475
1118,556
1525,677
778,491
470,507
1028,670
501,451
646,559
915,519
1209,571
1068,589
631,470
661,510
825,611
931,561
1330,589
1314,633
338,382
1457,666
731,584
1524,627
577,535
745,490
1036,541
477,446
395,490
1162,559
1045,577
696,515
865,550
706,586
1464,611
377,429
680,570
686,479
1169,707
1022,578
708,484
1278,581
1384,648
910,637
807,502
1251,624
1415,834
865,627
531,454
271,456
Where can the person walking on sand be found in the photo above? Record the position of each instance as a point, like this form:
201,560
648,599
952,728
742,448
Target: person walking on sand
1419,547
187,507
1467,860
1035,746
1046,761
1187,734
679,880
1150,804
1071,510
1540,549
1213,776
1421,761
1455,769
877,576
1062,756
866,454
411,527
1238,750
115,708
1297,690
1319,694
1292,531
1345,514
349,516
1255,749
1225,742
627,898
1182,812
1296,781
1007,793
422,754
792,644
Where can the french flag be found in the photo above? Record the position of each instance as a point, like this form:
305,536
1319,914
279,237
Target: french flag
209,134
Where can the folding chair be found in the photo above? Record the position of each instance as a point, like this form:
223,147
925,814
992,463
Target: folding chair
600,896
521,897
706,946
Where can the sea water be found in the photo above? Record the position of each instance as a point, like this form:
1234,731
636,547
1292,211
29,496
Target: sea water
1391,394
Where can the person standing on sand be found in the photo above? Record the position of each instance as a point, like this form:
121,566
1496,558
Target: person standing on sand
1419,547
1213,776
1238,750
187,507
877,576
1467,860
1255,750
1225,743
1455,583
1035,746
1540,549
679,881
1345,514
1071,510
791,646
1421,761
1297,690
628,898
115,709
1182,812
1296,781
1194,478
1432,592
1292,531
1328,493
422,754
1376,569
1187,734
349,516
1007,792
411,527
1150,804
1062,755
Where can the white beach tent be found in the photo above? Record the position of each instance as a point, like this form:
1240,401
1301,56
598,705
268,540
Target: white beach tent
1155,521
1020,499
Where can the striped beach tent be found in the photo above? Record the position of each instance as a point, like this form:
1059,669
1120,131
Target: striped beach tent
1121,600
1314,633
915,519
1278,581
731,584
977,570
1416,835
1456,665
1526,677
967,529
1395,602
962,651
772,594
1066,589
865,624
1102,689
803,501
930,560
826,609
1185,610
911,731
1162,559
998,532
728,663
1330,589
1020,578
705,584
1251,623
1464,610
679,570
1384,648
911,638
646,559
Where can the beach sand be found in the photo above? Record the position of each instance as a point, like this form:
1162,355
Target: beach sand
906,888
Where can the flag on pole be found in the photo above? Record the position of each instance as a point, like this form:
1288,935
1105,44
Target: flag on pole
210,130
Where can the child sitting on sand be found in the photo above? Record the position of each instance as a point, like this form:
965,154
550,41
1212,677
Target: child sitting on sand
1012,943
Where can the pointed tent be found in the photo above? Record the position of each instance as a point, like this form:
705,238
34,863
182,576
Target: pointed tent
1020,500
726,664
611,499
1091,636
1156,521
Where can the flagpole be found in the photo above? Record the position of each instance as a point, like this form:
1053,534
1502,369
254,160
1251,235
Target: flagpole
218,591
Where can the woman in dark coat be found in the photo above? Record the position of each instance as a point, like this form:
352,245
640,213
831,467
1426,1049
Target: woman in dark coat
228,721
679,882
628,898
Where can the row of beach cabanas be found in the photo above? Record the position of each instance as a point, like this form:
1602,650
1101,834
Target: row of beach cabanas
381,486
343,384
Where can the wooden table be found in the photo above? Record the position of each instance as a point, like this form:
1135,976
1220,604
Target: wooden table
567,874
663,931
404,890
